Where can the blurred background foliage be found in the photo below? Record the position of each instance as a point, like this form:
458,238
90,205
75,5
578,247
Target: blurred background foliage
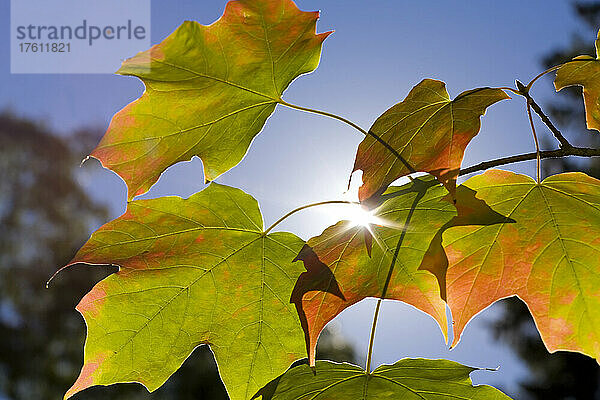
45,216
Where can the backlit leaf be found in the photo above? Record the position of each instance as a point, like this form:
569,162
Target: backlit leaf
417,379
353,268
584,72
209,90
547,252
195,271
427,132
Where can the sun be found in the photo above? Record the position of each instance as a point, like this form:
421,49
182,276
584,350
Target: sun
360,216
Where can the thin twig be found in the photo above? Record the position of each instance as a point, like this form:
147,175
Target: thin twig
558,153
523,91
564,143
538,163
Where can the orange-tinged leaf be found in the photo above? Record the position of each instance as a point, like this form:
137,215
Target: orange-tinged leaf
209,90
345,269
427,132
471,211
546,251
192,272
583,71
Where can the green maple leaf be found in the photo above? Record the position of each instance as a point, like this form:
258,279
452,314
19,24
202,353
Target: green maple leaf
546,251
417,379
583,71
427,132
209,90
195,271
350,262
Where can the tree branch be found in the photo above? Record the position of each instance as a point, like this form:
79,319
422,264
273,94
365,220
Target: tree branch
563,152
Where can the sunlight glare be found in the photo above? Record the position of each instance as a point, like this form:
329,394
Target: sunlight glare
359,216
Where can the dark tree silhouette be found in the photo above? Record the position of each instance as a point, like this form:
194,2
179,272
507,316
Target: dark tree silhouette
44,217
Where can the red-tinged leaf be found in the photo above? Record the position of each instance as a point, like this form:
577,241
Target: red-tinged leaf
427,132
344,271
471,211
192,272
209,90
583,71
546,251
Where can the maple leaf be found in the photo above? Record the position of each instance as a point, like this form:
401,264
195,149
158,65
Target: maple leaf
209,90
409,378
470,211
195,271
546,251
583,71
402,228
426,132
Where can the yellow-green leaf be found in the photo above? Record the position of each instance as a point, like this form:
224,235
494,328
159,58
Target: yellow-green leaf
584,71
407,379
192,272
209,90
427,132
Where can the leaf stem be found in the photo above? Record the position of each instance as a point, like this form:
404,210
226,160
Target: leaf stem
388,279
325,113
538,76
355,126
510,89
552,69
372,338
305,207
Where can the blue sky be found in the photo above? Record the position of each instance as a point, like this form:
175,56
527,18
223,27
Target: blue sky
379,51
